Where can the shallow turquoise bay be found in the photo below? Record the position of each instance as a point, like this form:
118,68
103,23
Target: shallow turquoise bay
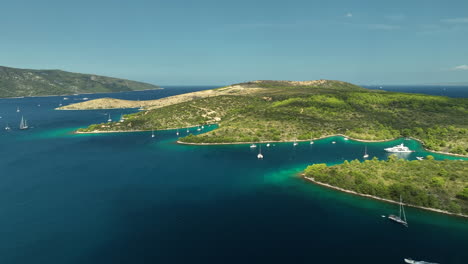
130,198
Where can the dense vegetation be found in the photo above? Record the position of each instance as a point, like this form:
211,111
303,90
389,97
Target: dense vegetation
22,82
283,111
429,183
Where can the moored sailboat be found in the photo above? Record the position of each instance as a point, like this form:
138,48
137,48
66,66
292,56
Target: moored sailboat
23,124
365,153
398,218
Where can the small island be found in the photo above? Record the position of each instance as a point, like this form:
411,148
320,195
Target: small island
428,184
267,111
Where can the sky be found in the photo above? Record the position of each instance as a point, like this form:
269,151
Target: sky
217,42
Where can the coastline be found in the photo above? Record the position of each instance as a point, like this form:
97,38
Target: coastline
278,141
39,96
380,199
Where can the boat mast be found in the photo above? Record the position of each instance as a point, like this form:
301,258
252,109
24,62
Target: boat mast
400,206
404,215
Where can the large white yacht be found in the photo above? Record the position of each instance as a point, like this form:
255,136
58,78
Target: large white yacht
398,148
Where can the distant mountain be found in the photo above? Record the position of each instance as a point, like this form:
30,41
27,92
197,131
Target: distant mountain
24,82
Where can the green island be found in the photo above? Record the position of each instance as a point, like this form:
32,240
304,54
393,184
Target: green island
267,111
428,183
24,82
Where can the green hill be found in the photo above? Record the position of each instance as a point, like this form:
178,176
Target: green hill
429,183
285,110
22,82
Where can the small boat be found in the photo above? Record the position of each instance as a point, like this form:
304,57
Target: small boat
268,145
85,98
65,98
23,125
346,138
177,133
38,105
419,158
260,156
383,216
333,142
202,127
7,128
152,133
187,131
295,143
109,119
17,110
411,261
398,218
253,146
398,149
365,153
311,142
60,104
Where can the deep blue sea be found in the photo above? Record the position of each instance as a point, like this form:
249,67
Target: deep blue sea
130,198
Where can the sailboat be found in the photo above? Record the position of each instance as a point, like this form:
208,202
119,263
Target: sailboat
109,120
365,153
188,130
17,110
260,156
398,218
177,133
152,133
121,118
295,142
23,125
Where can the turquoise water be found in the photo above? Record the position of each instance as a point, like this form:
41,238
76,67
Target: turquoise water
130,198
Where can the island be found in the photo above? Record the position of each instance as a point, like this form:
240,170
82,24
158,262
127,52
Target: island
268,111
428,184
25,82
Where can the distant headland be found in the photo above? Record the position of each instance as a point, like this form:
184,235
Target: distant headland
24,82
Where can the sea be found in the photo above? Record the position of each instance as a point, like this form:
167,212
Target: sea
131,198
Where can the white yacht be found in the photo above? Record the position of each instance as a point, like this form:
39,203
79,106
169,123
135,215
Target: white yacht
398,148
411,261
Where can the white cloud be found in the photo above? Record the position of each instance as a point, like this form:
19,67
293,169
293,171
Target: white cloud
463,67
458,20
349,15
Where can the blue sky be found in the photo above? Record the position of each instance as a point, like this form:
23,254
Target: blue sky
222,42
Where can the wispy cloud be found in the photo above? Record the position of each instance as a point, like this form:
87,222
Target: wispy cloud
383,26
349,14
395,17
463,67
457,20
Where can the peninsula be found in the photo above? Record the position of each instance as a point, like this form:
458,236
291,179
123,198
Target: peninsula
428,184
289,110
24,82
